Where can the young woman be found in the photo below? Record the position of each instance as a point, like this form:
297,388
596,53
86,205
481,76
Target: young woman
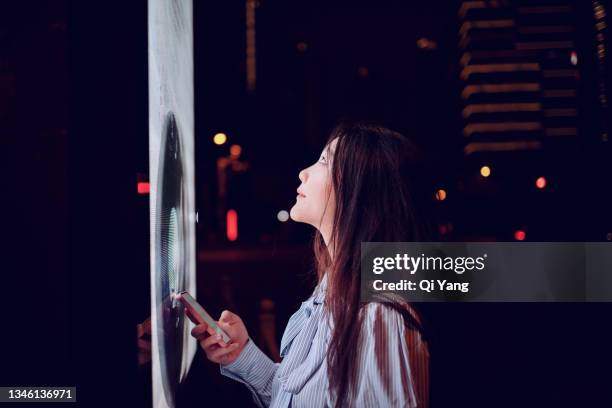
368,185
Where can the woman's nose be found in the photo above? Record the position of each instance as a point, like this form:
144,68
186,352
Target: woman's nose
302,176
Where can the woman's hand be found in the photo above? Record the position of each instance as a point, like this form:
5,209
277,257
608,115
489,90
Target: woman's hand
143,335
212,344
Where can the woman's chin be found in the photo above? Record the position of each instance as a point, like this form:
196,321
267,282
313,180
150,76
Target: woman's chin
295,215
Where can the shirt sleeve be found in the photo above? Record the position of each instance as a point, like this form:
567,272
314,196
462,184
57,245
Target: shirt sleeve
393,361
254,369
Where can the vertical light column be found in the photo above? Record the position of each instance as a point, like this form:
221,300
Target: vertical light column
172,191
251,56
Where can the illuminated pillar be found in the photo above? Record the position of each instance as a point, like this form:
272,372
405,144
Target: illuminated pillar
172,192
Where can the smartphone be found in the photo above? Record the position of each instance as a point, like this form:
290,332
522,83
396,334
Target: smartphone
199,313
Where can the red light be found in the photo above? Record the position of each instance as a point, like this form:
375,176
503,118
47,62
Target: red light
232,225
519,235
143,187
541,182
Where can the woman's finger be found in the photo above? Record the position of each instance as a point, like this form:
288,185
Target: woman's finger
191,316
209,341
146,326
228,317
144,345
226,327
207,327
212,331
222,351
200,330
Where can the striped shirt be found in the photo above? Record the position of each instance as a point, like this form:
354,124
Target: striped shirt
393,361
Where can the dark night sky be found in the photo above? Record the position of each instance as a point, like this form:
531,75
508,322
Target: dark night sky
300,95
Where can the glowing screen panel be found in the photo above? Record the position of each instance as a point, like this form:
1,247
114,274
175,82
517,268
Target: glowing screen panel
171,177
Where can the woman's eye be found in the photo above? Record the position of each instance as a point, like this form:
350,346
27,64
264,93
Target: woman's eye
322,159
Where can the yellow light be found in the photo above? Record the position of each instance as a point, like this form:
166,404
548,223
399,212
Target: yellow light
220,138
235,150
440,195
485,171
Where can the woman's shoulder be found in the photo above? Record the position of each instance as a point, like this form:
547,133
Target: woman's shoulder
380,311
388,313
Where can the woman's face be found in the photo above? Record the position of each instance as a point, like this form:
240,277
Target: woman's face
315,203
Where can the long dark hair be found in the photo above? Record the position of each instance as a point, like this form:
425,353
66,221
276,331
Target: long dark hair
382,192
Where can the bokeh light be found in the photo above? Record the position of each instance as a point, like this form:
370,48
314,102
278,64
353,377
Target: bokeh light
485,171
220,138
541,182
235,150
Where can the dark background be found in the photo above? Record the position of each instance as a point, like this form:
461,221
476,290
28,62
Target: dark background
74,137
